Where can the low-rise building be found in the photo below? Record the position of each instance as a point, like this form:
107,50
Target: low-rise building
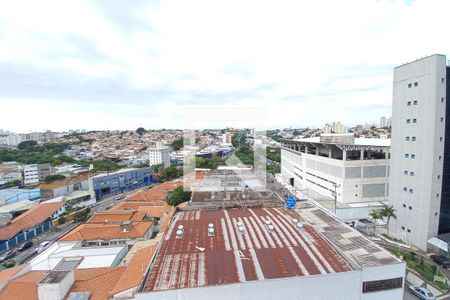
33,174
159,155
345,174
12,195
79,182
33,222
125,180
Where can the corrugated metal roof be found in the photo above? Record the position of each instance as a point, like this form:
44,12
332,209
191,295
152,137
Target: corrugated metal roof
254,252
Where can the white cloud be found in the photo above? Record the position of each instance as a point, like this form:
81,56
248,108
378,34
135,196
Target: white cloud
307,62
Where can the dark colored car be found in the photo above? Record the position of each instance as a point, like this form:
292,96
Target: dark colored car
441,260
7,255
25,246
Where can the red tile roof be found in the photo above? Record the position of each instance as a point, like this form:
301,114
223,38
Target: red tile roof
92,231
135,271
29,219
117,216
156,193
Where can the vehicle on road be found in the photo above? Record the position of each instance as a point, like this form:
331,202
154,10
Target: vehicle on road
421,292
7,255
441,260
42,246
25,246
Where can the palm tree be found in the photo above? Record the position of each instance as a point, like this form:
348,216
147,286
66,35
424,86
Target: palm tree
375,215
389,212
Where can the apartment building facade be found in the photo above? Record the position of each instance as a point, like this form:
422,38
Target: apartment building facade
420,158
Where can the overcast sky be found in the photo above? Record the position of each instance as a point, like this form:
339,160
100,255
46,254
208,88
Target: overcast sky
124,64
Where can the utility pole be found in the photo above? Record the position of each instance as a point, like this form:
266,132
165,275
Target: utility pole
335,198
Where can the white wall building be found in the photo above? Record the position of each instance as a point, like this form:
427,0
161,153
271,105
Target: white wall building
356,169
419,188
159,155
33,174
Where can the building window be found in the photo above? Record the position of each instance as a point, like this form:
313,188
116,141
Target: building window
442,80
416,83
409,230
407,138
414,120
439,176
409,85
406,155
404,205
440,157
411,191
405,172
405,189
413,138
442,100
408,121
410,207
413,156
381,285
415,102
440,139
411,173
403,227
437,195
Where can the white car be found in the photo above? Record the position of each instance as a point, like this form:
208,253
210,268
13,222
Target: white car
421,292
42,246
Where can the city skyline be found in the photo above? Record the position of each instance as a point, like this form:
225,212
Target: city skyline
126,66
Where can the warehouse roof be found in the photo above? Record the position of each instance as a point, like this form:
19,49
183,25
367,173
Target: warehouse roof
32,217
247,244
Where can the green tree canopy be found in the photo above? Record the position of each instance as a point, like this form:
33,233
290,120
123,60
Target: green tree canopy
52,178
26,145
141,131
178,196
177,144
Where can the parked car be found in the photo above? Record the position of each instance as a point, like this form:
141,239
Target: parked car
7,255
25,246
421,292
42,246
441,260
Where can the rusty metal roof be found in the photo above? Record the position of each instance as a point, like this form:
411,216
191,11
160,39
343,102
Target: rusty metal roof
246,245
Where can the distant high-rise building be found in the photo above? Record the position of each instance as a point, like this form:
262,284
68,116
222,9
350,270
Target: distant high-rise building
383,122
419,186
334,127
226,138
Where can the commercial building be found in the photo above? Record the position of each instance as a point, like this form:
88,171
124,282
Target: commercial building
159,155
33,222
33,174
347,175
420,162
12,195
125,180
79,182
258,253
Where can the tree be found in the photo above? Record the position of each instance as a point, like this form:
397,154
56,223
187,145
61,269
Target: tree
170,173
375,215
52,178
26,145
158,168
141,131
389,212
177,144
179,195
12,183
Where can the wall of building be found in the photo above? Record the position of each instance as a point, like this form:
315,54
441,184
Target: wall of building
356,180
27,235
347,285
417,198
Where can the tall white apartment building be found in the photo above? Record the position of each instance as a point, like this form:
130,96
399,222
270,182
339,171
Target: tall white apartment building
159,155
419,173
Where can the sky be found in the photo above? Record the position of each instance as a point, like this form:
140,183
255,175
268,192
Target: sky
124,64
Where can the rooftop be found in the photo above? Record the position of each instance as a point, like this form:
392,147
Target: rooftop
358,141
64,182
93,257
157,193
116,172
18,206
117,216
242,248
89,232
29,219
